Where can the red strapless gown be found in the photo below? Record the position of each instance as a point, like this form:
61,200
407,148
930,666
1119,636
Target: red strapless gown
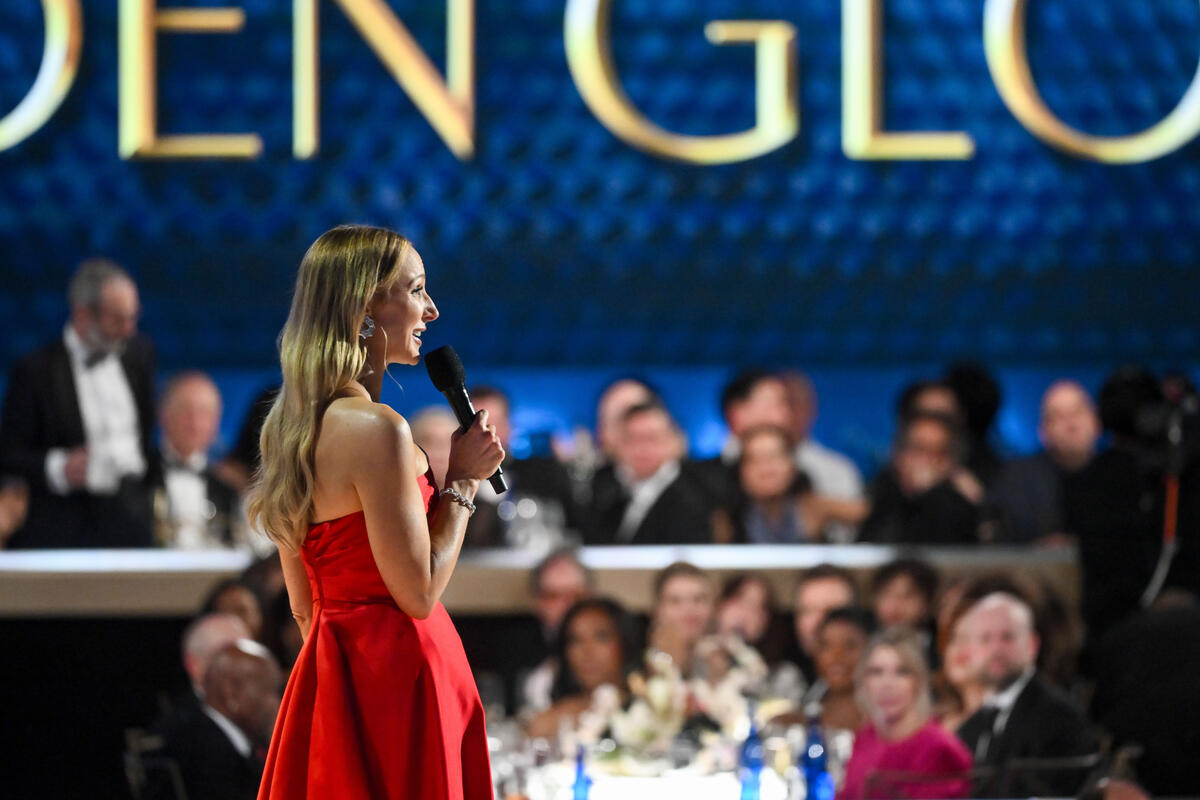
379,705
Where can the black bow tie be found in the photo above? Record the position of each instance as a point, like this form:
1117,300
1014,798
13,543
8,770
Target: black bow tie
184,466
95,357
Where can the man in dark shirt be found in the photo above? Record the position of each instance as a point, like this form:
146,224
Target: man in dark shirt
1029,492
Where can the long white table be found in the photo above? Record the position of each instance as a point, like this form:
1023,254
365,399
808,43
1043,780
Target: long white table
87,583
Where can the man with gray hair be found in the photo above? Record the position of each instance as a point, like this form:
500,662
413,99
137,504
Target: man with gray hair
77,421
220,751
1023,717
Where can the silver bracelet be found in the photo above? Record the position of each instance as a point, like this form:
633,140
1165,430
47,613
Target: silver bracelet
458,497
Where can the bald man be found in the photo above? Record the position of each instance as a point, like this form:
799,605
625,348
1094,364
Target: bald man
194,508
1029,491
77,421
220,750
1023,717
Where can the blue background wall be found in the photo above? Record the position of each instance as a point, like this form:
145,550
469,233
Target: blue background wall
561,256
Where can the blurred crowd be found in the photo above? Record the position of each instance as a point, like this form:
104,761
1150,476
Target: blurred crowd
90,456
926,684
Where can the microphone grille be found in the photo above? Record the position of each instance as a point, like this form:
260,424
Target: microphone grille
445,369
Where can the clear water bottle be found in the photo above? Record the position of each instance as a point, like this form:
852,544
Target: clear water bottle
814,762
750,763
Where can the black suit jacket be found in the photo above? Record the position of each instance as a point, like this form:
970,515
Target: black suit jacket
41,412
211,768
1044,723
680,515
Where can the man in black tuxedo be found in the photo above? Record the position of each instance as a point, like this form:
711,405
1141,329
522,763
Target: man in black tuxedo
1023,717
221,750
650,496
77,421
193,506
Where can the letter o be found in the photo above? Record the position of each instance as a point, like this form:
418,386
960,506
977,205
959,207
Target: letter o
60,63
1008,61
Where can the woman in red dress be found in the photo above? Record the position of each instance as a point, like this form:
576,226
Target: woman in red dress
381,702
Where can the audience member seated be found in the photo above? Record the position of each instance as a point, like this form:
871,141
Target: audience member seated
597,646
820,590
616,399
203,638
913,499
775,504
841,640
1147,693
901,751
649,497
1023,716
979,397
220,751
238,597
958,689
746,608
902,594
684,606
194,509
830,473
542,481
1029,491
14,505
77,420
939,397
556,584
753,398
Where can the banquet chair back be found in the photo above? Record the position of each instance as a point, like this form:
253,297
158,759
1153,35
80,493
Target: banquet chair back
903,784
149,773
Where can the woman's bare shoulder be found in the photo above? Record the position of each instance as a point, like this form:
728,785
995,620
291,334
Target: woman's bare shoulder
363,427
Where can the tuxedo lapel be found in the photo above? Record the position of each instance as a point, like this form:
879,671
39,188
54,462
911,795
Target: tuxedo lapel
64,397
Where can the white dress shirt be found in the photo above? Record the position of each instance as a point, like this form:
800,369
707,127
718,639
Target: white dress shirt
643,495
110,423
1004,701
189,510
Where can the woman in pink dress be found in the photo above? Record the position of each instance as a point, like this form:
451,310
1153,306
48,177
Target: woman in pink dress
381,703
902,752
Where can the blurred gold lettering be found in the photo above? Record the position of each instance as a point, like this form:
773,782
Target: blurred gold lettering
863,136
1008,61
138,137
587,32
448,105
60,63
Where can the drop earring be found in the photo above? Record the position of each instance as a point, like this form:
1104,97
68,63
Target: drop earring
368,328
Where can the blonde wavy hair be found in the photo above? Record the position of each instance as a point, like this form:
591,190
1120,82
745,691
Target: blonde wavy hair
320,353
912,655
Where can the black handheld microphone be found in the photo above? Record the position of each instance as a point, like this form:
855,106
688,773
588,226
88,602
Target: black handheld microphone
448,376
